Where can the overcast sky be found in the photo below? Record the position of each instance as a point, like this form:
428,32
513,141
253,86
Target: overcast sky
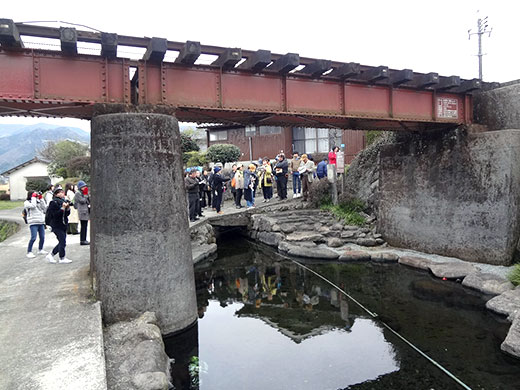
419,35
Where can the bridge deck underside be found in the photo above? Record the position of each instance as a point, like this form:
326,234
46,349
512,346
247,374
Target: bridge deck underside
41,83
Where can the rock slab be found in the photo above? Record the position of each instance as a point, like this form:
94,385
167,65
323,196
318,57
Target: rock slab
507,303
351,255
511,344
416,262
452,270
487,283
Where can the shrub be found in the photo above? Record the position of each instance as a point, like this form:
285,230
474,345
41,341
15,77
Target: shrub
5,197
196,159
514,275
348,211
7,229
372,136
36,185
223,153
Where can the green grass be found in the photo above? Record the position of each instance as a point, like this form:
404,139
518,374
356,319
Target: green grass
7,229
514,275
8,205
348,212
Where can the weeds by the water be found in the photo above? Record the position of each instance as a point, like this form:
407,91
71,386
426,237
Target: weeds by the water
514,275
349,211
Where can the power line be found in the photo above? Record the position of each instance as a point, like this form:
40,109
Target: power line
482,25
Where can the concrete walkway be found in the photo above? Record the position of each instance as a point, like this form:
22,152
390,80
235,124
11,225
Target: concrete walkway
51,333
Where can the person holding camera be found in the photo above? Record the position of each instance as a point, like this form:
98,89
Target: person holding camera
82,204
35,208
58,212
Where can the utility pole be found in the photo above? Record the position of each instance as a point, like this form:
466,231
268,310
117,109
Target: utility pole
482,26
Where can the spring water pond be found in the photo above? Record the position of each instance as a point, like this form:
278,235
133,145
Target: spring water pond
267,323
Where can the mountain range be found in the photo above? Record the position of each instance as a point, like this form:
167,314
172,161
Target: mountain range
21,143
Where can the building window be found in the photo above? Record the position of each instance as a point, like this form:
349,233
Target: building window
310,140
267,130
250,131
220,135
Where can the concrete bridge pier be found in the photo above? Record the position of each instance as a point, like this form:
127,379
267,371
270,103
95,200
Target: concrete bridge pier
141,250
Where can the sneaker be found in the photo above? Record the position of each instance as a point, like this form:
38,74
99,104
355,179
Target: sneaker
84,243
50,258
220,212
42,252
64,260
30,255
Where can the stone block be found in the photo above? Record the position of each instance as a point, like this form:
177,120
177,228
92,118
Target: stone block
416,262
352,255
314,252
507,303
366,241
385,257
487,283
270,238
150,381
455,270
511,344
304,236
334,242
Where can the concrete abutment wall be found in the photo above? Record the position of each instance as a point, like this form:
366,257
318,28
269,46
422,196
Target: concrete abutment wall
141,250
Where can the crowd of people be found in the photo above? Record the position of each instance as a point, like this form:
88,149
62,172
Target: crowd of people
62,210
205,188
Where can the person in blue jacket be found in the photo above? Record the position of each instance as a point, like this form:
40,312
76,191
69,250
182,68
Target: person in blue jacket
321,169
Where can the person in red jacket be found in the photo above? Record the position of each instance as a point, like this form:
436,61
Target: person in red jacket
332,155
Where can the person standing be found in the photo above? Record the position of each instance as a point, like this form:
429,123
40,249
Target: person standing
296,180
70,193
218,188
332,155
266,180
306,169
35,207
192,188
82,204
58,211
232,184
321,169
206,191
249,185
198,176
49,194
281,170
239,185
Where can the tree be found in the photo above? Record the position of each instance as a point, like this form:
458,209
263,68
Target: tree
188,145
196,159
79,167
223,153
60,153
36,185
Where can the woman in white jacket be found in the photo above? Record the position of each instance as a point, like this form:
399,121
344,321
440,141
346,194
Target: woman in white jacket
35,207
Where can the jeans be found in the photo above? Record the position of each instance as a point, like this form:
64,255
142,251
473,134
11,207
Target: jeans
296,183
61,235
36,229
250,203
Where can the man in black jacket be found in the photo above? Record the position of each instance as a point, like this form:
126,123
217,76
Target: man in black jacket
192,187
281,170
58,215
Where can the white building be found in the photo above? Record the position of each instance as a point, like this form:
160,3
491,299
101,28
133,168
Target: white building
34,169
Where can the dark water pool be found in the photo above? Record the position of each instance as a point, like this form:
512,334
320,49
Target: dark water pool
267,323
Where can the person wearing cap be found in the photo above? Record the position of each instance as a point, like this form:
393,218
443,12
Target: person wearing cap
58,212
82,204
306,170
218,188
281,170
192,188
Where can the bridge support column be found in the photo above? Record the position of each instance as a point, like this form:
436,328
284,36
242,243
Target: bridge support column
141,250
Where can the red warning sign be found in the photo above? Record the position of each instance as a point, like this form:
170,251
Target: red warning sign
447,108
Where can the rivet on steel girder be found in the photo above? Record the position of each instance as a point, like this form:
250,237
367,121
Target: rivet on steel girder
256,61
346,71
285,63
69,40
156,50
109,45
9,35
189,53
316,69
228,59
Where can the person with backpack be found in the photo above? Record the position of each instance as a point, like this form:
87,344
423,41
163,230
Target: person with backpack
49,194
82,204
34,211
57,216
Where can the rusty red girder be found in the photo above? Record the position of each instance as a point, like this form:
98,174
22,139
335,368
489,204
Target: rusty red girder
48,83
